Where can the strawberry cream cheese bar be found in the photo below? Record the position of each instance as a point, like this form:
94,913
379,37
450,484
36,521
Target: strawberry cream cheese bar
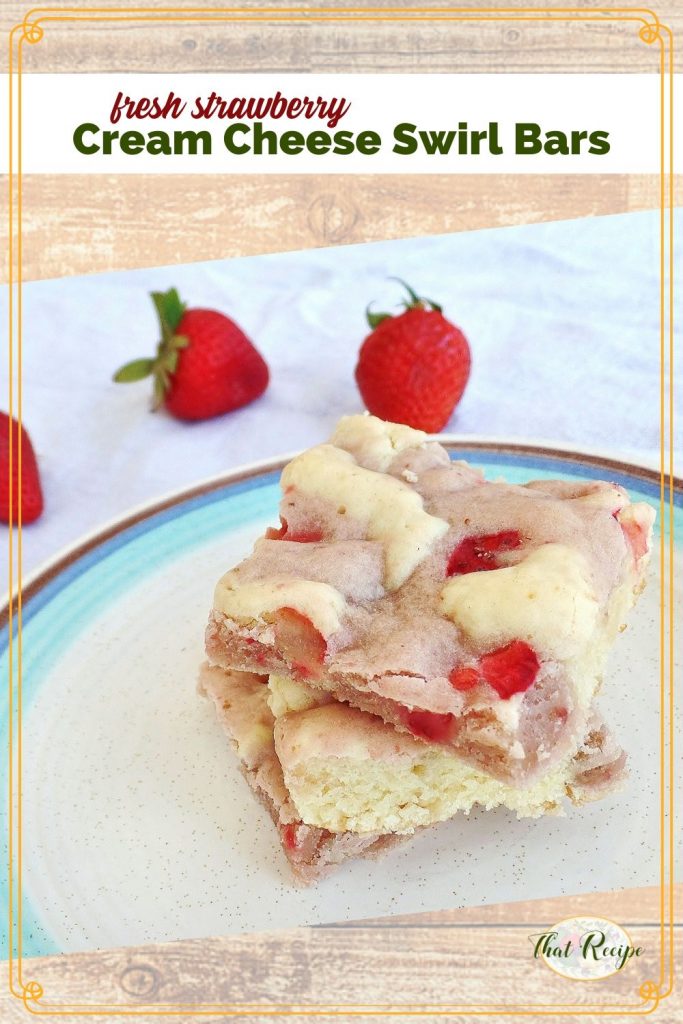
470,614
241,702
340,783
346,770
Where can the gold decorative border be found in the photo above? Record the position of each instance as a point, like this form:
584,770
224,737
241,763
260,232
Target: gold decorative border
651,30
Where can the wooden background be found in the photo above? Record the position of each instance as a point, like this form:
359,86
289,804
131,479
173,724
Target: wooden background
80,224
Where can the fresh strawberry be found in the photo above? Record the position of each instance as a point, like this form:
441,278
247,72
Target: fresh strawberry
31,504
477,554
412,368
205,365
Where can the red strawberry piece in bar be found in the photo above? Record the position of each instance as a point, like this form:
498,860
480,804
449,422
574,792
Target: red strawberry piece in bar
288,833
282,532
277,532
636,536
510,669
300,642
464,678
478,554
430,726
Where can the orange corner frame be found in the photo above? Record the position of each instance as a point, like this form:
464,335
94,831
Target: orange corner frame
650,30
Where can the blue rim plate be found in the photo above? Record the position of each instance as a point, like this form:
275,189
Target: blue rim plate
62,599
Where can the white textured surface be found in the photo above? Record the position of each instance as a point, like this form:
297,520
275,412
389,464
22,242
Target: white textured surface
562,319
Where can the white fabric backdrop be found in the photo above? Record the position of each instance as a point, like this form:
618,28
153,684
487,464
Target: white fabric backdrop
562,318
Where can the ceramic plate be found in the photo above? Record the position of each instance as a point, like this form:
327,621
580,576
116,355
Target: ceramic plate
137,825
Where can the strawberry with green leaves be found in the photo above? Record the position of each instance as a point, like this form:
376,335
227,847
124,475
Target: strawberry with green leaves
204,365
413,367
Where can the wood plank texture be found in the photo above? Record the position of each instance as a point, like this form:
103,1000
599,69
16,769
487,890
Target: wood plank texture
458,964
77,224
599,44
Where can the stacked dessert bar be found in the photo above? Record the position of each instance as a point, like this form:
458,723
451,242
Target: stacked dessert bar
413,641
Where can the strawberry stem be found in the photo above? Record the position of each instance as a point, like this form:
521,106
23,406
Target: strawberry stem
374,319
415,302
135,370
415,299
170,311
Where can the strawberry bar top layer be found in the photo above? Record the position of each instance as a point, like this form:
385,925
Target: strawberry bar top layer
468,613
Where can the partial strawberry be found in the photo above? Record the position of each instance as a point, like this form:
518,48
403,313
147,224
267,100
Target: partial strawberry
205,365
412,368
26,497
